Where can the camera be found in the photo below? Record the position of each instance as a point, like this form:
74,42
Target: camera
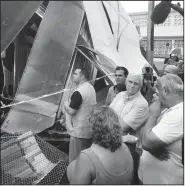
149,70
147,77
148,73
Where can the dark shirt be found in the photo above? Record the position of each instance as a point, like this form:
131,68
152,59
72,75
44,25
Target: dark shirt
76,100
120,87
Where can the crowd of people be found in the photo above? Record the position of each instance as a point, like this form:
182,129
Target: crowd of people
177,64
135,138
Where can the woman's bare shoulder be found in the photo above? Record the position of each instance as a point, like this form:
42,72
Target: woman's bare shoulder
80,170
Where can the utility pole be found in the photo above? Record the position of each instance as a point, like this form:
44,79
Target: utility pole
150,33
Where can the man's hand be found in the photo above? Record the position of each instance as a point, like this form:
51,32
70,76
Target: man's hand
62,120
155,109
148,83
162,154
155,97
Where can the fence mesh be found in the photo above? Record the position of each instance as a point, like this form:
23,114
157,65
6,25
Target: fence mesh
28,159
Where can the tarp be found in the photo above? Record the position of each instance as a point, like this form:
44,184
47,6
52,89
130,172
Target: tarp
47,68
14,16
126,37
102,38
109,29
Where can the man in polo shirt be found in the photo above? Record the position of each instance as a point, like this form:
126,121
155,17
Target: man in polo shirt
131,106
132,110
77,114
167,134
121,74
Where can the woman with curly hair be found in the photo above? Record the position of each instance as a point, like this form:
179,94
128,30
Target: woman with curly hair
108,160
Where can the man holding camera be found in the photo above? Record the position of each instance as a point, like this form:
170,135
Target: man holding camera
147,89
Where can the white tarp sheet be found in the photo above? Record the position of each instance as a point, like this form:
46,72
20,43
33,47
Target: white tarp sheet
128,53
102,37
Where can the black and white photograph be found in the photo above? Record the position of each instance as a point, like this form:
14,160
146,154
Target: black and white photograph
92,92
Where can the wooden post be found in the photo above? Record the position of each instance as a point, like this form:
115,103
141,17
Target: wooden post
150,33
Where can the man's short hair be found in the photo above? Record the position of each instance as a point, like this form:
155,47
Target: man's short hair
84,72
139,76
172,83
172,69
124,69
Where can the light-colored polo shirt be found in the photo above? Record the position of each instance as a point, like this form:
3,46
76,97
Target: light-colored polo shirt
132,110
170,130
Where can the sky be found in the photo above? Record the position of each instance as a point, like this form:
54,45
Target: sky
140,6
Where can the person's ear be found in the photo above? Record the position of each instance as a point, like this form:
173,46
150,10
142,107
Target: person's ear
165,91
82,77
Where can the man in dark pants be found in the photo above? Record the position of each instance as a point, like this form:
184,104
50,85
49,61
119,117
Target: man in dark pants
77,114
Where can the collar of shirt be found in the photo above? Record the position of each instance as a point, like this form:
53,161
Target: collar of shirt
176,106
82,83
166,110
129,98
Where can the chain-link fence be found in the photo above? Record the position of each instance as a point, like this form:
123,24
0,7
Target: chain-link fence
27,159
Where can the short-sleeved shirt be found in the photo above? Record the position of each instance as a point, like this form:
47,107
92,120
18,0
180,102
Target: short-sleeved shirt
169,130
76,100
132,110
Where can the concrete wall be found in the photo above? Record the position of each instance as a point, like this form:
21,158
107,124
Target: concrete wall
172,27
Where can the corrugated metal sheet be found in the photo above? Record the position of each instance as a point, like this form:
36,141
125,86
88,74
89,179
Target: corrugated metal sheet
14,16
47,68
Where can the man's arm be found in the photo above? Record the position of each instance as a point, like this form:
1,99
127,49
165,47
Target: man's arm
76,101
135,118
69,110
69,125
124,126
150,142
168,130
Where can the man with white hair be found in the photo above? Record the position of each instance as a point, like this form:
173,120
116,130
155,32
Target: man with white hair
132,110
167,134
131,106
171,69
